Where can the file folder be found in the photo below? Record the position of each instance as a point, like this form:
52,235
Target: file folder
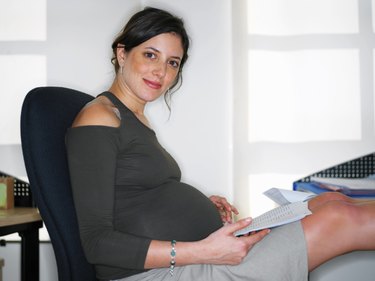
357,168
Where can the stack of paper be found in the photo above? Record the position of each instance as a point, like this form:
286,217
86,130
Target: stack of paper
293,207
349,186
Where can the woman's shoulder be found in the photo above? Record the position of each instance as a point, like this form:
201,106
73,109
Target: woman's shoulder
99,112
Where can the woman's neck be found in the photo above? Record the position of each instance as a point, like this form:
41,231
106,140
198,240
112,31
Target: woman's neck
130,101
122,92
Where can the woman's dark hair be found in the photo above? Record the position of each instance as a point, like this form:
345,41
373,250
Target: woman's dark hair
146,24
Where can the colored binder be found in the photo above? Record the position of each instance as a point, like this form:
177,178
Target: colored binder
357,168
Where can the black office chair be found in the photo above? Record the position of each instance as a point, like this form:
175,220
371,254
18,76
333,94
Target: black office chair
46,114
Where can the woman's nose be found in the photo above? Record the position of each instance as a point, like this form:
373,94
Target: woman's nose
160,69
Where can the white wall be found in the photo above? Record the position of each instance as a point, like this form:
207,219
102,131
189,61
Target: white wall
303,91
303,100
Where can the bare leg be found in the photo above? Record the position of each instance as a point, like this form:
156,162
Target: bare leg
338,225
323,198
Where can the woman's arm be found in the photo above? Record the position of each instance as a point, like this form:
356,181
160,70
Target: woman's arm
221,247
92,152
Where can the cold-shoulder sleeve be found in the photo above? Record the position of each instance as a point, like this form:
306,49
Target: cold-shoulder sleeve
92,153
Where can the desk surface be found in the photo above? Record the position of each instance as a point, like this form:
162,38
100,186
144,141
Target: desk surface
19,215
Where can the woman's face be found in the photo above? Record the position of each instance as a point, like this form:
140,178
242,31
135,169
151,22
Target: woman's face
149,69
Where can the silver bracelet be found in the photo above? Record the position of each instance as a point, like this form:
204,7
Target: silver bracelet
173,256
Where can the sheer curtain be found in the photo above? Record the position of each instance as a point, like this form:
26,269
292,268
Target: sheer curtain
303,91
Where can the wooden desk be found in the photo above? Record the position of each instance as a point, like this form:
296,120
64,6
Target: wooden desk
25,221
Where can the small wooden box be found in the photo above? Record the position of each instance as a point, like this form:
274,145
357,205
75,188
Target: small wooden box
6,192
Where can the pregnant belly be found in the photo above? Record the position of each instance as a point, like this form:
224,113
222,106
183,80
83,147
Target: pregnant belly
172,211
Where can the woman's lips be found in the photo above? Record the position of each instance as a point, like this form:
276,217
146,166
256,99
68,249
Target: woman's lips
152,84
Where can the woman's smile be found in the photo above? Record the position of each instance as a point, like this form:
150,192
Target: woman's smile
152,84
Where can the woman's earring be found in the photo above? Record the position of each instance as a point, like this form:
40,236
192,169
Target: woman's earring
121,69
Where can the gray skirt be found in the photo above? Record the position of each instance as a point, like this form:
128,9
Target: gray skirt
280,256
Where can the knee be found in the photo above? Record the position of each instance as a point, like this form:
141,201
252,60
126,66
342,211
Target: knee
333,196
340,212
323,198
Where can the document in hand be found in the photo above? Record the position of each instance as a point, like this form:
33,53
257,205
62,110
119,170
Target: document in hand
293,207
284,196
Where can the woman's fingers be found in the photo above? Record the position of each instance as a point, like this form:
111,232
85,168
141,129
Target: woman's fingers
225,208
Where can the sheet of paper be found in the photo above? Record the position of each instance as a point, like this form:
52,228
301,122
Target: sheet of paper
354,183
279,216
284,196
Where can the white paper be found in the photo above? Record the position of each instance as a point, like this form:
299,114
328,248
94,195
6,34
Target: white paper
284,196
355,183
281,215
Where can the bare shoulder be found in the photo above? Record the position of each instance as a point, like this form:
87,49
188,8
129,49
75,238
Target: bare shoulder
99,112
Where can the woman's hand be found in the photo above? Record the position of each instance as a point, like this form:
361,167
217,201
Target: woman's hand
225,209
222,247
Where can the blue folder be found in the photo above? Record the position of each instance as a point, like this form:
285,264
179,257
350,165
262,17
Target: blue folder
316,188
360,167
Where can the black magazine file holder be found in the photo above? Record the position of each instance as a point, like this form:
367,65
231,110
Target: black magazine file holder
359,167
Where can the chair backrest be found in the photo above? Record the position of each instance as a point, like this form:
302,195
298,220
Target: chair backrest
46,114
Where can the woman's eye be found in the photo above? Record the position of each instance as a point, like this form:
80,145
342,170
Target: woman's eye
174,64
150,55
